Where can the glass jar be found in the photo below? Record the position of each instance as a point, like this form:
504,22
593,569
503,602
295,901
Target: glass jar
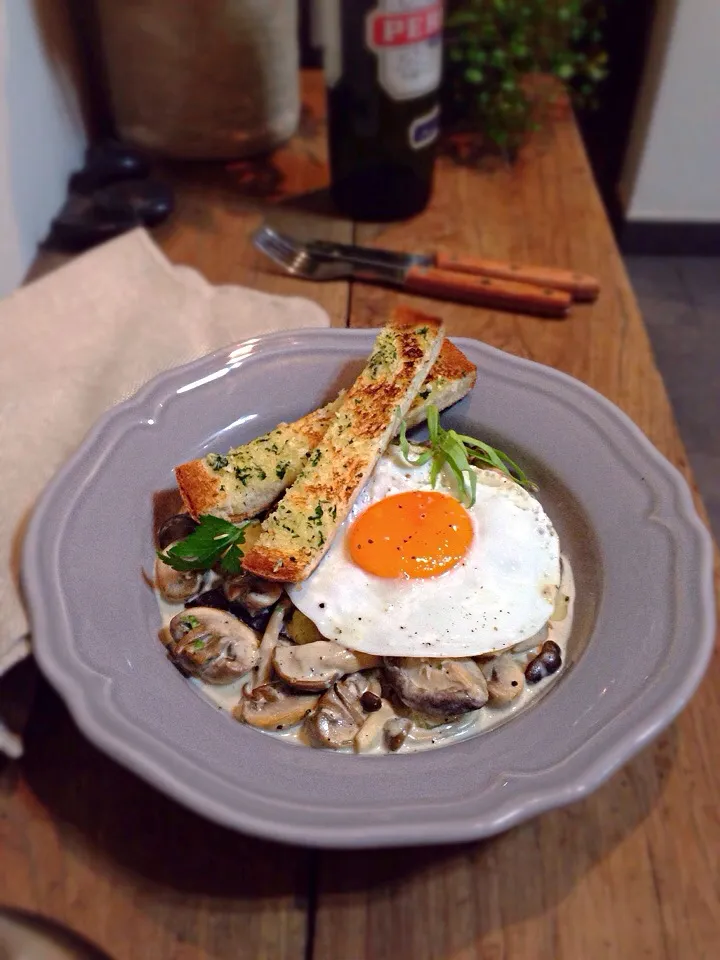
202,79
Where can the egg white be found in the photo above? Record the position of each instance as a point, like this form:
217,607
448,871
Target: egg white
500,593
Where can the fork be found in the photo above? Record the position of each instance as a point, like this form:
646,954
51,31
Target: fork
417,273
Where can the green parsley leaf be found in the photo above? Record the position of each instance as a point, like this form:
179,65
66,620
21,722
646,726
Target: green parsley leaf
317,516
212,541
458,452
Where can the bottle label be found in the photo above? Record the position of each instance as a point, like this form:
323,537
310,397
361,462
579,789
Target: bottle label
424,130
406,37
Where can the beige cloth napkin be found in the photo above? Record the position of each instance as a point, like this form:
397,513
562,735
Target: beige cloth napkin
83,338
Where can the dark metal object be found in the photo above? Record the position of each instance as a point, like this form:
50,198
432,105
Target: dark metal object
108,197
320,260
86,220
109,161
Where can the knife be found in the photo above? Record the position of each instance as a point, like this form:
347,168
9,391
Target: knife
449,278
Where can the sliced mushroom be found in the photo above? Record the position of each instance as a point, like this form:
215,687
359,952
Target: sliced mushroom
176,586
353,688
270,642
505,679
318,665
446,688
212,645
253,593
175,528
370,734
332,725
214,597
339,714
273,707
396,732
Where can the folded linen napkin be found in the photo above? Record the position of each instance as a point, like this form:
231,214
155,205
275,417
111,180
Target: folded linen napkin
78,341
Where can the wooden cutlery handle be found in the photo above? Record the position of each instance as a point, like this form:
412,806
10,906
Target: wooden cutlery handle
581,285
487,292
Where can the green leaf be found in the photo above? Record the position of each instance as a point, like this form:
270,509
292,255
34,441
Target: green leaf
231,561
473,75
421,459
433,422
496,44
477,56
458,453
213,540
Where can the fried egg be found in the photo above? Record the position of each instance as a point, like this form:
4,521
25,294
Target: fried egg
413,572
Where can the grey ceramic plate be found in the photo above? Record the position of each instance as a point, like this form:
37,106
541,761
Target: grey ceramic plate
642,638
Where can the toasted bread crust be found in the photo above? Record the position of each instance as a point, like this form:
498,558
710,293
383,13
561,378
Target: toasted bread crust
199,487
297,534
250,478
451,377
451,364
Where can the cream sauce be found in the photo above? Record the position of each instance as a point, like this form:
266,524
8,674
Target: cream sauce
226,696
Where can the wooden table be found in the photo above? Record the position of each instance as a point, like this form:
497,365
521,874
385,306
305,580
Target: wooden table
632,872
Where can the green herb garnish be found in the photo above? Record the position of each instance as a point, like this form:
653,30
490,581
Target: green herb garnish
216,462
459,453
317,516
212,541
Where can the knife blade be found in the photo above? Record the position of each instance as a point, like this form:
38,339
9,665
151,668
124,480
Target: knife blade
421,273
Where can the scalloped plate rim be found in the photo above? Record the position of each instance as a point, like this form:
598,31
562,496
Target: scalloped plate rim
89,711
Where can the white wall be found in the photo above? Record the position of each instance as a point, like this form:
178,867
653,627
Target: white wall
673,167
41,131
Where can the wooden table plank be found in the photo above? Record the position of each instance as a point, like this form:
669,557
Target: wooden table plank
84,841
87,843
219,207
633,871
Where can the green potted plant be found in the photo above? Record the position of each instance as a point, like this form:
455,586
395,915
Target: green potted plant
497,49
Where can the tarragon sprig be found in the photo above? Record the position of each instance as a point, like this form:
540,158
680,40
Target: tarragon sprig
459,452
213,541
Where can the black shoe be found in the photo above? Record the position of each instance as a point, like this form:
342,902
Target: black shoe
87,220
109,162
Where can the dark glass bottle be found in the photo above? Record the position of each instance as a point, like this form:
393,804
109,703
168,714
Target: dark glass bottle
383,66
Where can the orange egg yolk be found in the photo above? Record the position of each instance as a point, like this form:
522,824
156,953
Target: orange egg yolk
413,535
